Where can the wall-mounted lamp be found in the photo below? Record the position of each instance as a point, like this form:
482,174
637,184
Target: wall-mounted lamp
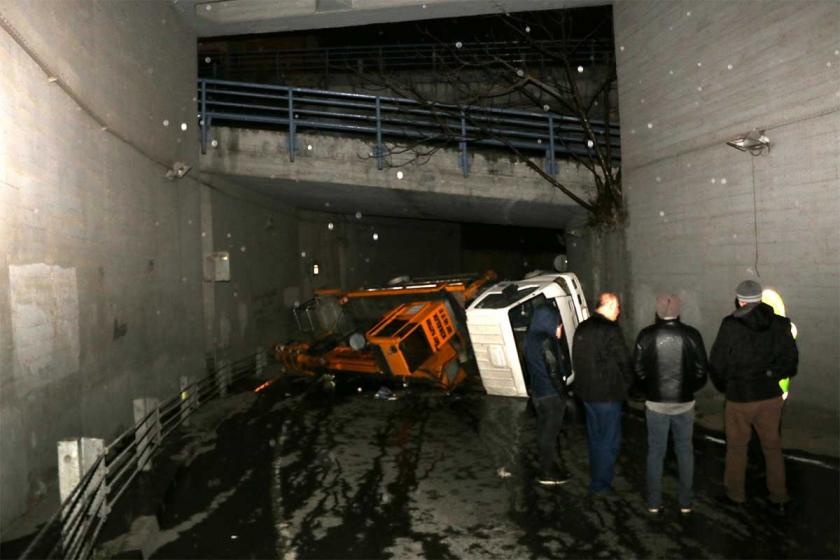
178,170
754,142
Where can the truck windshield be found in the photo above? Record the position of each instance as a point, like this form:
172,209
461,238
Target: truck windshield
504,299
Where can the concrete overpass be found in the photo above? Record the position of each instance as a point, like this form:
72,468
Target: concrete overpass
335,174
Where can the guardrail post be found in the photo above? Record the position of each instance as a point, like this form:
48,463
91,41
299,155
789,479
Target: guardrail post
292,127
223,375
550,157
205,122
189,399
147,425
462,144
260,362
378,150
76,456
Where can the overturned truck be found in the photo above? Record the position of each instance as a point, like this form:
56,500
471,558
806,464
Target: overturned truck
443,330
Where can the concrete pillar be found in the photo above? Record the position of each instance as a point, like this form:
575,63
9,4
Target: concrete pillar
148,435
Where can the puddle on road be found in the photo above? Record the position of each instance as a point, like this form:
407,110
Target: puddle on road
346,475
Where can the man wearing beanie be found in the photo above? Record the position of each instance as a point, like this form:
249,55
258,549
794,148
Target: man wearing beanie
753,350
670,363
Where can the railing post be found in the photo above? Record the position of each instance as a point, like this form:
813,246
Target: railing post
147,426
260,362
462,144
188,400
223,376
205,122
550,157
378,150
292,127
76,456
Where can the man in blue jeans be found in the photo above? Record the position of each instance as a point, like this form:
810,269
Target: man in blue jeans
670,361
603,373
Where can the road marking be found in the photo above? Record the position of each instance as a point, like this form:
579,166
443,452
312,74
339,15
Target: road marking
787,455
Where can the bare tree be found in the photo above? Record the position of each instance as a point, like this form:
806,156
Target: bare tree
532,62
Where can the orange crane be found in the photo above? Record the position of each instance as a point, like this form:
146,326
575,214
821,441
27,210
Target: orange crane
422,334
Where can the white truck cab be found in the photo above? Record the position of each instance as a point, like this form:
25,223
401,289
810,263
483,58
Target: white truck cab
498,320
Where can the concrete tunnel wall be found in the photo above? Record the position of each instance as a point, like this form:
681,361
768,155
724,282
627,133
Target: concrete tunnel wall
102,297
693,75
100,287
273,247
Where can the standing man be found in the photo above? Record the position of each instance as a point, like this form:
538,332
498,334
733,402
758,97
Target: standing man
753,350
670,361
547,372
603,373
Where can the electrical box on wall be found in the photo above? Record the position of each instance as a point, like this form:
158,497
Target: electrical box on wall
217,267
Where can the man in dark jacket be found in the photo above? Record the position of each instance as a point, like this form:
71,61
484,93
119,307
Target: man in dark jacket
753,350
670,362
603,373
547,372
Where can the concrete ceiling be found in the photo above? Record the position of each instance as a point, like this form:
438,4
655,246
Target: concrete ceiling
214,18
349,199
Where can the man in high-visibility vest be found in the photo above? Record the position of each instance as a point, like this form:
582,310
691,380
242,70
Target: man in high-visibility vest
753,351
774,300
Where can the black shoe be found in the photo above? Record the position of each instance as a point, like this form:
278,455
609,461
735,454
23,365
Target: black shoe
725,500
605,493
779,508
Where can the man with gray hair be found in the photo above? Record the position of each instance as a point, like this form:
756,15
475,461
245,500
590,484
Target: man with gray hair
753,350
670,362
603,373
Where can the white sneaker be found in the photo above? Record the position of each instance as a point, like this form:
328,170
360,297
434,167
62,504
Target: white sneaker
552,480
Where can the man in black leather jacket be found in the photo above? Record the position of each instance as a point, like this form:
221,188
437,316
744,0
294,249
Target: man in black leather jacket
753,350
670,362
547,369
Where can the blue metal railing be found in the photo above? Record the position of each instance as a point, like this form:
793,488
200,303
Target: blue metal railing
249,105
278,64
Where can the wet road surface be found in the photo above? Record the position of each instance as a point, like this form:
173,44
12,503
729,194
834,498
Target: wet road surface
294,472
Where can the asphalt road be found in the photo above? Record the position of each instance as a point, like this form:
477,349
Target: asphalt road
296,472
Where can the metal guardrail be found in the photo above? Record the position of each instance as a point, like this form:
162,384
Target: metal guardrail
73,529
252,105
279,64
